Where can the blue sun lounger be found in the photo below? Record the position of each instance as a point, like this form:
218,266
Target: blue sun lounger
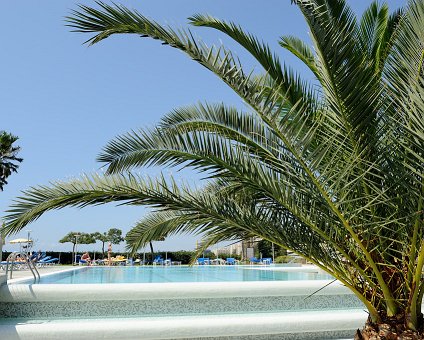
43,261
158,260
51,261
17,265
203,261
267,260
254,260
231,261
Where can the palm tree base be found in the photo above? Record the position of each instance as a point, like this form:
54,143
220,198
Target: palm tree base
391,328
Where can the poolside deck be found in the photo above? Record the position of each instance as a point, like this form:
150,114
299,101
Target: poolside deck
26,274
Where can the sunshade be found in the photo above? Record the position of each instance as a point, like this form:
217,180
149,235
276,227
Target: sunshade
20,240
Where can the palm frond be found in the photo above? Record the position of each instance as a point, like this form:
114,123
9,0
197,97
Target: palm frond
294,89
300,50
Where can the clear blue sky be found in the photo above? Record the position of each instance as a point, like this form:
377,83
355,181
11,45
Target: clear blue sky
65,101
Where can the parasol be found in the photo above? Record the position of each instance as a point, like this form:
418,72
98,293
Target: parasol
20,241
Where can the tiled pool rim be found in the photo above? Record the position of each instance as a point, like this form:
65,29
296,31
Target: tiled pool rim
175,290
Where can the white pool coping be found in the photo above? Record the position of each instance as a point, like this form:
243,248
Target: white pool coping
177,290
289,269
184,327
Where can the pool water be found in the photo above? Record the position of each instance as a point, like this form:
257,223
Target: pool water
175,274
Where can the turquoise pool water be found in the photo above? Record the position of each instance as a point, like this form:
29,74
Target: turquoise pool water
175,274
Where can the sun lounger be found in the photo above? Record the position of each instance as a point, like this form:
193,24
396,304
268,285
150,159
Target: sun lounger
43,262
217,261
45,258
119,260
77,259
254,260
51,261
158,260
16,265
267,260
231,261
203,260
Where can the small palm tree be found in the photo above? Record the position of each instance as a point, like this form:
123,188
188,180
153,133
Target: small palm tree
8,157
333,172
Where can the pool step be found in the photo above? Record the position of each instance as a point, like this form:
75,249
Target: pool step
138,300
267,326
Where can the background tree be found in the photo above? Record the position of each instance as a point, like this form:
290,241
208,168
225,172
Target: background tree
152,252
113,236
77,238
332,171
265,248
8,158
102,237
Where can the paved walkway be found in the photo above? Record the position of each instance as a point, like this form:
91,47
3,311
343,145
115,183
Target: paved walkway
20,274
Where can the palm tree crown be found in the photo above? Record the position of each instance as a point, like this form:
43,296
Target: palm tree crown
8,159
334,173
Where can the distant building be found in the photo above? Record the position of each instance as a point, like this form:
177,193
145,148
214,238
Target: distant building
245,249
232,249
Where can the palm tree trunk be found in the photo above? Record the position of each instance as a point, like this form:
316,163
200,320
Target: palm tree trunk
151,250
390,328
73,253
103,248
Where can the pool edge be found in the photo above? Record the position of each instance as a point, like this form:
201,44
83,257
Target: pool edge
176,290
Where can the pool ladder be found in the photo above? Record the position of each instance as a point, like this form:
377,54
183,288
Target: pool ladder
11,259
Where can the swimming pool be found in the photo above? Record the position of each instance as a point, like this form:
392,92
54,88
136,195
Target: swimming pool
93,275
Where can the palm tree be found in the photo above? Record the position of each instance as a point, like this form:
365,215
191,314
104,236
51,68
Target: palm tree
8,157
333,172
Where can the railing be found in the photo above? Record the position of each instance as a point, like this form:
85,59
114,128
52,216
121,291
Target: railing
11,260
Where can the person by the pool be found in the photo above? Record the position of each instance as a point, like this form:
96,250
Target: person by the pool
86,257
109,253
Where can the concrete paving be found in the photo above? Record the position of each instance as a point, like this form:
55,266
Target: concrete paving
26,274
